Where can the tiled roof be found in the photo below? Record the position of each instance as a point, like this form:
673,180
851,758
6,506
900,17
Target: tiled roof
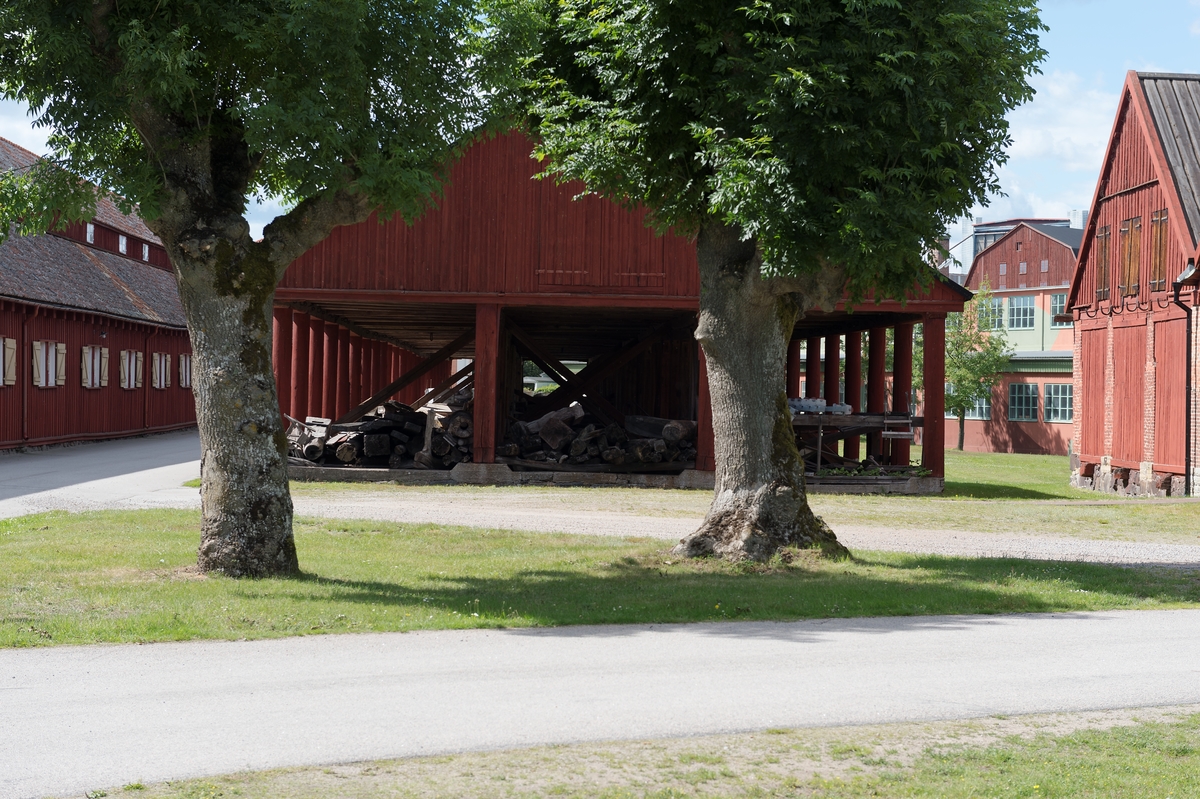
1174,102
14,156
58,271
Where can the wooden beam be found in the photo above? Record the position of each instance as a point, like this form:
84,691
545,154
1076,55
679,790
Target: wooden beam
564,376
487,416
409,377
436,393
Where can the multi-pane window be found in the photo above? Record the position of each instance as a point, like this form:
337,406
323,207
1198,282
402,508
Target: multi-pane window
1022,402
131,369
1158,250
49,364
1022,267
1003,276
185,371
1103,237
1058,307
95,367
995,319
160,370
8,361
1131,255
1059,402
1020,313
982,410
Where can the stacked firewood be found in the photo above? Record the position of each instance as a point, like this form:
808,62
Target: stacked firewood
394,436
571,437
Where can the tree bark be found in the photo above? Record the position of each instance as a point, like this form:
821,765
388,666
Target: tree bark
760,503
962,430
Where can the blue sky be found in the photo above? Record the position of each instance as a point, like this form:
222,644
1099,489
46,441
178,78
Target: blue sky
1058,138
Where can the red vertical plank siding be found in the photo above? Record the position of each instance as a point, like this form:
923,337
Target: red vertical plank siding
812,368
316,365
487,377
850,447
343,373
833,367
1129,363
12,405
902,386
1170,400
933,451
1094,347
300,366
281,358
329,371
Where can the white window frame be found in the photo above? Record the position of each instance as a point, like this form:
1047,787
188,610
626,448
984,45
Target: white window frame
1021,312
1003,269
91,233
997,313
185,370
145,252
981,411
122,244
1045,265
94,366
160,370
49,363
1023,267
1022,402
1057,308
1060,402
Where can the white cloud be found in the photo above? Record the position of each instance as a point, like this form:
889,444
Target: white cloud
1067,123
17,126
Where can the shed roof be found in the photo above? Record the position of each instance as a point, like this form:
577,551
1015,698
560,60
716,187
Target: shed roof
1174,102
57,271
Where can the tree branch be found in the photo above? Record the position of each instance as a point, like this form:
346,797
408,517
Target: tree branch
296,232
821,289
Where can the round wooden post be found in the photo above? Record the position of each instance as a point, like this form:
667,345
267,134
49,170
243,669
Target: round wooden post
795,367
342,403
300,364
356,382
487,381
833,369
876,384
902,387
812,368
316,364
853,398
933,438
329,372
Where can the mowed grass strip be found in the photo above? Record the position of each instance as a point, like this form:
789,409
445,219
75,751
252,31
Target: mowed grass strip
943,759
126,576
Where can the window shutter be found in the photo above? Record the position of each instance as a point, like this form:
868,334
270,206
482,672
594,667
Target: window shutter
37,363
167,370
60,364
138,357
104,366
182,376
85,364
155,371
10,361
124,366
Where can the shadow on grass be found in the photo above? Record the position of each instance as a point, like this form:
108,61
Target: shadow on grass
955,489
649,591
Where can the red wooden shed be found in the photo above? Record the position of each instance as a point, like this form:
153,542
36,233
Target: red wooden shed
508,268
1132,376
92,337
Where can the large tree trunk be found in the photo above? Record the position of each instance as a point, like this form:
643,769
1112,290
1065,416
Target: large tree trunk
246,510
745,324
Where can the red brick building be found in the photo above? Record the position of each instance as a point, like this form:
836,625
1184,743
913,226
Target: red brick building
1135,425
93,343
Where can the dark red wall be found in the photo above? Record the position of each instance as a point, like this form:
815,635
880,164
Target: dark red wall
32,416
108,239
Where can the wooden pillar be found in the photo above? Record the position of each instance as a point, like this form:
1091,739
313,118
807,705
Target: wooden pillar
368,369
833,369
342,402
299,387
853,398
316,364
812,370
876,383
281,357
356,386
902,386
795,367
329,372
933,437
487,381
706,460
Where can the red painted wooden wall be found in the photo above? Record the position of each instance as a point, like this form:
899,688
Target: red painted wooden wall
1035,247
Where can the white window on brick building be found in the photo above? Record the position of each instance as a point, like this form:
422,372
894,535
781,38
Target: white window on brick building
982,410
8,362
185,370
94,367
49,364
1058,307
160,370
1060,402
131,369
1020,313
1022,402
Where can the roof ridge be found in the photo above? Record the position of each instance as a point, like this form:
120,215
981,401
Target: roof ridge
1168,75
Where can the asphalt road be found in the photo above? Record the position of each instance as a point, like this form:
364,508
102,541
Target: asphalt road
82,718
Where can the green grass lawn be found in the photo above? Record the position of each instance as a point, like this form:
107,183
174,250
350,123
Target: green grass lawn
949,760
124,576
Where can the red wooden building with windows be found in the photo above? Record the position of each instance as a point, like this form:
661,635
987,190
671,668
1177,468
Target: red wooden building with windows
1133,382
508,268
92,337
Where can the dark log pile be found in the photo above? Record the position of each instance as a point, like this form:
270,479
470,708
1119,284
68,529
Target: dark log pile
394,436
571,439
